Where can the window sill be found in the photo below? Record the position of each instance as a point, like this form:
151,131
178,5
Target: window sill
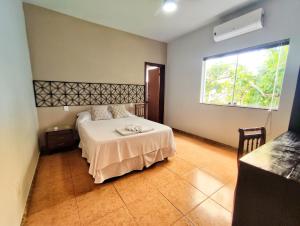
238,106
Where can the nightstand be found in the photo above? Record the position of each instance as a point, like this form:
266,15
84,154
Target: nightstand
59,138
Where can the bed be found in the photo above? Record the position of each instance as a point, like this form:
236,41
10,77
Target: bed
111,154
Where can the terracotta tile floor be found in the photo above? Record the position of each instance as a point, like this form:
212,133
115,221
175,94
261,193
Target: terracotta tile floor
195,187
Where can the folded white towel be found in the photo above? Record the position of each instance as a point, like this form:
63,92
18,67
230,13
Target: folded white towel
145,129
125,132
137,128
133,129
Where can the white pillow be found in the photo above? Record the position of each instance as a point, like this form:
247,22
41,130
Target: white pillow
119,111
101,112
82,117
84,114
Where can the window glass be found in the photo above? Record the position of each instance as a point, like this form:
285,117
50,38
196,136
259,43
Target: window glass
219,80
252,78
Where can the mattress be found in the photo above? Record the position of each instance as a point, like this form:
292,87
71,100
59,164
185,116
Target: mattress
110,154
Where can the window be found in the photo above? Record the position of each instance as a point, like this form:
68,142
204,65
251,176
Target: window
247,78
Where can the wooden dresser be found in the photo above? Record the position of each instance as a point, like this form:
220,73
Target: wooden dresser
268,185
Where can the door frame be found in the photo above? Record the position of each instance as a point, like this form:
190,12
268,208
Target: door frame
161,88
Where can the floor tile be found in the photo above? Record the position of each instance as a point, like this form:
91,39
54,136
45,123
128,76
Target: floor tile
118,217
49,173
155,196
134,187
64,214
183,222
62,190
159,176
78,166
182,195
210,213
221,172
155,211
225,196
39,200
98,203
197,159
179,166
52,194
83,183
203,181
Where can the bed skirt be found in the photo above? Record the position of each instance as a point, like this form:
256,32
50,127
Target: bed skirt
129,165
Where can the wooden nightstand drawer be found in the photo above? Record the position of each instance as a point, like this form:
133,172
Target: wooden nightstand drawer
60,132
59,139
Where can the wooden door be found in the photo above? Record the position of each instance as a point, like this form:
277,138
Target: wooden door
153,94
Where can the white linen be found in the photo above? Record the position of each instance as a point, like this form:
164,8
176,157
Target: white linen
111,154
82,117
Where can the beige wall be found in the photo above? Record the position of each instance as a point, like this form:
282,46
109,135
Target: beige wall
46,114
63,48
18,118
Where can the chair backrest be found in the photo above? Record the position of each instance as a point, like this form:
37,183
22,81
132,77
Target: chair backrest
250,139
140,110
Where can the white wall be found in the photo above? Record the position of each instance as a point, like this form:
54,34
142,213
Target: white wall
18,118
184,66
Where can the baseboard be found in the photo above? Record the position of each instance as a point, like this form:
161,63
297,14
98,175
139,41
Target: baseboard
205,139
24,217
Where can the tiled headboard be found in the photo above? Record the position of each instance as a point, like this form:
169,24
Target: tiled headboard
57,93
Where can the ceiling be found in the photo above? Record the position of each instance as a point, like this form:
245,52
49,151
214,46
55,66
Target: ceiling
144,17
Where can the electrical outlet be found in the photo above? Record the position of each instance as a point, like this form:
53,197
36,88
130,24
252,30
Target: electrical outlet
66,108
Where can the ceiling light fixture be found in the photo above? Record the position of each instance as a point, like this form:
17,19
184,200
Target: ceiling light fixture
169,6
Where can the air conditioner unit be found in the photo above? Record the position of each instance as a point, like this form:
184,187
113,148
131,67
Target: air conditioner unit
249,22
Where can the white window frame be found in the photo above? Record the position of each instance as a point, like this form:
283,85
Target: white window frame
231,104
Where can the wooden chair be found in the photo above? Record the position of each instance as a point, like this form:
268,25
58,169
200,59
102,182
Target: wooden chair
140,110
250,139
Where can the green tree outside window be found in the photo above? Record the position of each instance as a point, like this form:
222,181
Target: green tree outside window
250,79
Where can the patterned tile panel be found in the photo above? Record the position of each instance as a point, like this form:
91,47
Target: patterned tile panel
55,93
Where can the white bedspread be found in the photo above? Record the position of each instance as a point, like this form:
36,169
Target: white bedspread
111,154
